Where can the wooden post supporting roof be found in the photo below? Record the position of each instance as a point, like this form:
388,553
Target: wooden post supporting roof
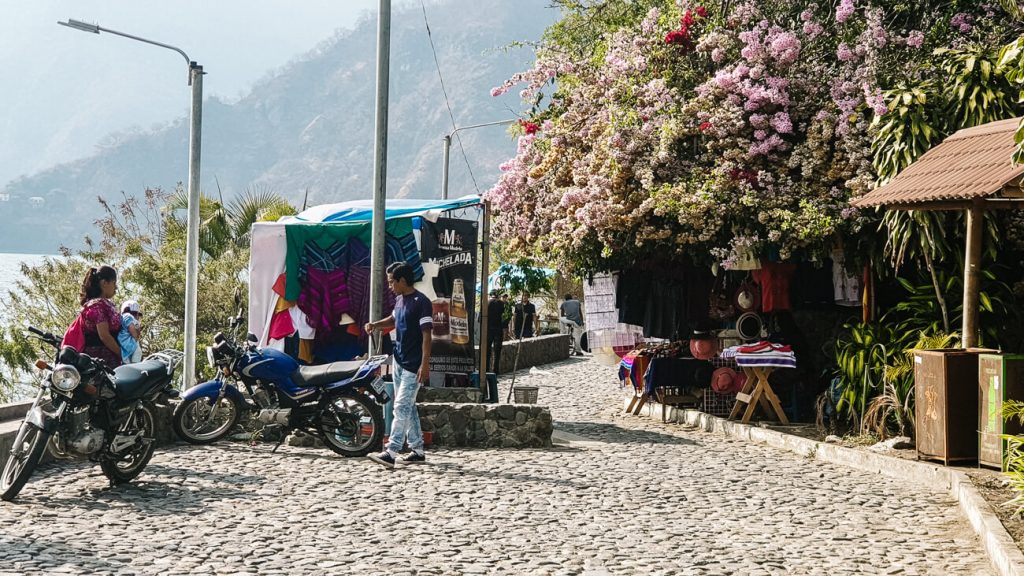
972,265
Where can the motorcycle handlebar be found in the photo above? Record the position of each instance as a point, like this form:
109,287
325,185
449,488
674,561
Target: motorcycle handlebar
45,336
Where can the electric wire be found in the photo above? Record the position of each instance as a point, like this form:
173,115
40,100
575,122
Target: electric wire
447,104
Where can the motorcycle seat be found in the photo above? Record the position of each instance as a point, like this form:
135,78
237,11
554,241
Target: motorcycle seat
309,376
132,381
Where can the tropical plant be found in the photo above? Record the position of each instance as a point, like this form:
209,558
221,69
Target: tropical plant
1014,458
145,241
862,355
226,226
891,412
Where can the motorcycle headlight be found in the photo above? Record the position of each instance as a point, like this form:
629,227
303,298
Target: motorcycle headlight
65,378
210,358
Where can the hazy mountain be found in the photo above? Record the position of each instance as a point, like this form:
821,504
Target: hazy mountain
309,126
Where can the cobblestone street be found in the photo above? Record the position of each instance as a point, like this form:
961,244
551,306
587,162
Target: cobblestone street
638,497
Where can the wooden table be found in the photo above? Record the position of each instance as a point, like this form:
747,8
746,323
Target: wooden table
757,391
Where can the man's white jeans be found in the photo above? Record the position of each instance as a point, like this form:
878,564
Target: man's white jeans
577,333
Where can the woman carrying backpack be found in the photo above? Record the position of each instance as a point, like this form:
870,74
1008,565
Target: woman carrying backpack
99,317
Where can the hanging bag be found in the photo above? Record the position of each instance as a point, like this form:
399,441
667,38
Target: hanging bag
720,306
74,336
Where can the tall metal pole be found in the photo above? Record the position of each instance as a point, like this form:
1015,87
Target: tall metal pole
195,79
485,320
192,240
444,171
380,161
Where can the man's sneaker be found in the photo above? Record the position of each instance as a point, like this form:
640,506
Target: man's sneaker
384,459
413,458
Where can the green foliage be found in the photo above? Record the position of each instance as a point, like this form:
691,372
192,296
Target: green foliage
145,240
1014,458
876,372
862,355
524,276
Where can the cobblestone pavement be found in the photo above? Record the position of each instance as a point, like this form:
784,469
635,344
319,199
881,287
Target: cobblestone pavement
639,497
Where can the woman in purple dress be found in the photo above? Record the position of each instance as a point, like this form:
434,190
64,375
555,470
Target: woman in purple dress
100,320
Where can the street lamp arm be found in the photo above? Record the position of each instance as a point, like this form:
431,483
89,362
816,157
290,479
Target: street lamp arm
96,29
461,128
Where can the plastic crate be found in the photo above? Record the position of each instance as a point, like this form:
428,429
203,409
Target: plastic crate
717,404
525,394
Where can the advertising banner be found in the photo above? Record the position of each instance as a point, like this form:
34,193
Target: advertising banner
451,245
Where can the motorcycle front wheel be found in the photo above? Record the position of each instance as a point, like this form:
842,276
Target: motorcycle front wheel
22,461
202,420
125,467
351,424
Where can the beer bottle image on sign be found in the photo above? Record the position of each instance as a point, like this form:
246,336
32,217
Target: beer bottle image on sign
458,316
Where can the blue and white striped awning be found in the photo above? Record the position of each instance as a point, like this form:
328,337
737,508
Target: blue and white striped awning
362,210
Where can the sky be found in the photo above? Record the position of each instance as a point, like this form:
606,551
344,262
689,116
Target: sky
66,91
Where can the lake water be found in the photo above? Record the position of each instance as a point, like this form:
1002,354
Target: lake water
10,273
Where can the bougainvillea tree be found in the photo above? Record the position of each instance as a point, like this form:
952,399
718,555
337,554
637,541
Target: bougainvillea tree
663,129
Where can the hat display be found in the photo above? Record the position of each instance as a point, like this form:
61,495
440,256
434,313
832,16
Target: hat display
723,380
131,306
704,348
739,382
749,326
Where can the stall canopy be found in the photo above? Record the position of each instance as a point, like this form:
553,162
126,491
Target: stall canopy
362,210
270,241
972,170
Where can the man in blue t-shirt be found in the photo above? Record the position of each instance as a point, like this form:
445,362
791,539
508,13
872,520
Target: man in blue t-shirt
411,320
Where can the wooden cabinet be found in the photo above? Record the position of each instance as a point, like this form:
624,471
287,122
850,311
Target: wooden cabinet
946,404
1000,378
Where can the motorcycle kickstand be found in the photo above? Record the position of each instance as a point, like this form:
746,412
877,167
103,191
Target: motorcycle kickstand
284,436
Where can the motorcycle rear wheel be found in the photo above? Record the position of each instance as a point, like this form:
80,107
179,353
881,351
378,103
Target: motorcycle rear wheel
129,465
351,424
20,465
193,419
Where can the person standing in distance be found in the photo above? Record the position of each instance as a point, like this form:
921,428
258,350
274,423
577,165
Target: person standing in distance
411,320
496,328
527,324
570,314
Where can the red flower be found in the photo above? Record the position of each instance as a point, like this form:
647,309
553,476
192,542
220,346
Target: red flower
677,37
687,19
705,126
529,127
702,12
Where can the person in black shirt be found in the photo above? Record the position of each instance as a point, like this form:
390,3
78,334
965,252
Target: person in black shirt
526,322
497,325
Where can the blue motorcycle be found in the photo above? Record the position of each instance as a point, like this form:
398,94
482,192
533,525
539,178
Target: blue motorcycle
340,403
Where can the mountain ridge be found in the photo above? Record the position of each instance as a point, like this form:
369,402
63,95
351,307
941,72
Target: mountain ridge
309,126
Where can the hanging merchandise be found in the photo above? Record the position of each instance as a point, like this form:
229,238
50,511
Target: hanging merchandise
749,326
747,297
845,285
774,279
720,302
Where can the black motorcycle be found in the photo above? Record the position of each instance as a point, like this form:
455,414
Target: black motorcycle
85,410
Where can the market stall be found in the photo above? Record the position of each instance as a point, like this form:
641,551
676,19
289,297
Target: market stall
309,278
724,341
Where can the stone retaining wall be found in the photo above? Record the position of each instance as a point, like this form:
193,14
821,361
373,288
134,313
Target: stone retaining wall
487,425
533,352
449,395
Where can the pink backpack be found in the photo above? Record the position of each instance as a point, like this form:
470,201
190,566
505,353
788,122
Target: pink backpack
74,336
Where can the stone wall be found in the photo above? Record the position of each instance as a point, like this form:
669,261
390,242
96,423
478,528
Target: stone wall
533,352
449,395
487,425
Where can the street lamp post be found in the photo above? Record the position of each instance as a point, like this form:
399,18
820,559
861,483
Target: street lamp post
448,147
195,80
